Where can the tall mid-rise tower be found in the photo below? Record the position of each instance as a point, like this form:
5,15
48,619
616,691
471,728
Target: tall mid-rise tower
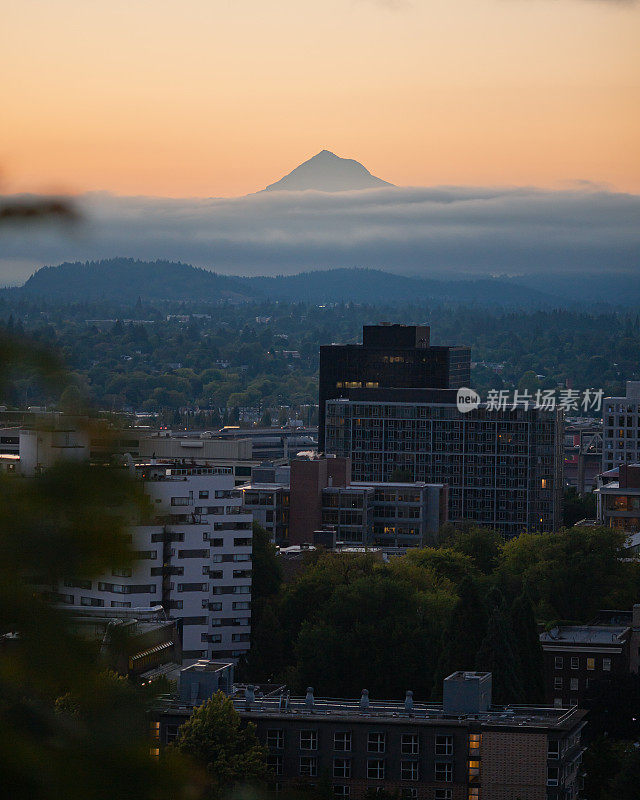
390,357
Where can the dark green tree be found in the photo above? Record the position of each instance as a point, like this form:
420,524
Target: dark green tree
230,753
498,655
528,649
464,633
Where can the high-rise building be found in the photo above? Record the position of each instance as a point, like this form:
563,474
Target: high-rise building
193,558
390,356
503,467
621,428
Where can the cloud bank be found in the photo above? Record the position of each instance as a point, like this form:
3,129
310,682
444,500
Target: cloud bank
423,231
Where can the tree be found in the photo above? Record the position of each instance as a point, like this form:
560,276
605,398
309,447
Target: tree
371,634
498,655
266,656
266,576
65,725
482,545
576,507
527,648
215,738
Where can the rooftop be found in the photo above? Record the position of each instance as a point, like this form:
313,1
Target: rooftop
585,634
351,709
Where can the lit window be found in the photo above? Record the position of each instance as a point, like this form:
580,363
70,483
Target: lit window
591,663
474,741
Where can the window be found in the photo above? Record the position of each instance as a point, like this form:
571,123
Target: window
552,776
474,771
553,748
171,733
242,542
591,663
275,738
443,794
341,768
444,745
376,742
308,740
409,770
575,662
342,741
308,766
606,664
216,542
474,741
375,769
557,683
124,572
342,791
444,771
559,662
574,685
557,702
203,495
410,744
274,762
91,601
179,501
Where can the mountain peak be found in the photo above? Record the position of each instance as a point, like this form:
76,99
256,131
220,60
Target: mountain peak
327,172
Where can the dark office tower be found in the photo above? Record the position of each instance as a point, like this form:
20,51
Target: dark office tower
390,357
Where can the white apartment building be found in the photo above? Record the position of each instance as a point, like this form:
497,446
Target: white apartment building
621,428
193,558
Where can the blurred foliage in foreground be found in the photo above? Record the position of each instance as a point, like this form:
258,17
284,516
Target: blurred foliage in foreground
67,729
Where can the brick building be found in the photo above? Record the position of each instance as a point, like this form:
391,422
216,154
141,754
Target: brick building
462,749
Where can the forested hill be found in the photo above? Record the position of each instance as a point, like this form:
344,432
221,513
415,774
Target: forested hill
376,286
124,280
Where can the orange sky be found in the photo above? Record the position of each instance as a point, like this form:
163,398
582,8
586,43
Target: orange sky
222,97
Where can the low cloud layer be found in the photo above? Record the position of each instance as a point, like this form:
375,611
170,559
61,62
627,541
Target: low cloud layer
424,231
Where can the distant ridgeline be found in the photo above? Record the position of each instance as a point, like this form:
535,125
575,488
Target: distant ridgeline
124,280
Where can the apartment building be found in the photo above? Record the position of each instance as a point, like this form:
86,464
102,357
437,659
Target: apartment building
193,557
575,655
462,749
503,467
621,428
618,498
321,496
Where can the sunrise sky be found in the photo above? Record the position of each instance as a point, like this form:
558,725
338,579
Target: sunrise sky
222,97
